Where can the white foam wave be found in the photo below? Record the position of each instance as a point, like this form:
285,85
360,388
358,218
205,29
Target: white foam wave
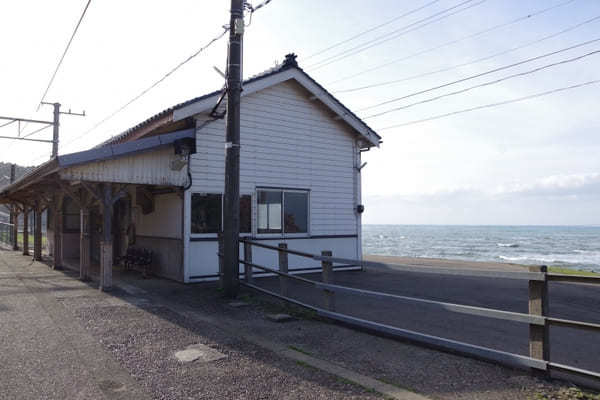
508,245
590,258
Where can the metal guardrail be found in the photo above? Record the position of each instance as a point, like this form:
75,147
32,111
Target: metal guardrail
537,318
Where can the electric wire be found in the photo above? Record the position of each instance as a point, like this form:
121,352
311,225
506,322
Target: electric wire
394,34
152,86
370,30
468,78
471,62
520,74
490,105
8,123
64,54
454,41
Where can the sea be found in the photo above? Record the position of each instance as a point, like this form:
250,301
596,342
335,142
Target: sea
576,247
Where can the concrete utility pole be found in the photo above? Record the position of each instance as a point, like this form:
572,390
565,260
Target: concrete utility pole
14,217
56,124
55,129
231,203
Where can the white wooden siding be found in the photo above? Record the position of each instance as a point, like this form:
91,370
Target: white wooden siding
286,141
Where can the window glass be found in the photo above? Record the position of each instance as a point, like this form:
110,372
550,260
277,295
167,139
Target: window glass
206,213
245,214
296,212
269,211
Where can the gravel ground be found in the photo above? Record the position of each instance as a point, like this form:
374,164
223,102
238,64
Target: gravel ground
63,339
137,334
436,374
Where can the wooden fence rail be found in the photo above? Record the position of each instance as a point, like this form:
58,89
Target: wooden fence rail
537,318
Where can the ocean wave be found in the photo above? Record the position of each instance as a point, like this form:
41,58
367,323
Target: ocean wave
591,259
508,245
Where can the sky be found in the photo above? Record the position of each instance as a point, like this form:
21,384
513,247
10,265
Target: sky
530,162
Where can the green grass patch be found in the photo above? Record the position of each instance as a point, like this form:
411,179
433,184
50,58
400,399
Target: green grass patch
570,271
299,350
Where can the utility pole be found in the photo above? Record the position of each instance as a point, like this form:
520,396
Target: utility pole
56,125
55,129
14,217
231,203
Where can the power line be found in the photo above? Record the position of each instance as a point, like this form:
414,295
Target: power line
64,54
533,96
485,84
152,86
452,42
480,74
394,34
477,60
371,29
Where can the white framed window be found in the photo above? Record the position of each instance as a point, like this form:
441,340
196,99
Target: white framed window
282,211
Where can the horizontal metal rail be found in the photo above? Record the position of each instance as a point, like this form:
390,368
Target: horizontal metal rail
458,308
534,276
573,278
537,319
587,326
578,371
287,275
447,344
266,246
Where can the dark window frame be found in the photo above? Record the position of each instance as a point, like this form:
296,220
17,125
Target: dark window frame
243,197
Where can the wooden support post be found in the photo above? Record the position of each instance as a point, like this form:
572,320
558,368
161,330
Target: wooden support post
15,242
106,256
25,230
84,243
327,277
283,267
539,338
248,258
58,227
37,233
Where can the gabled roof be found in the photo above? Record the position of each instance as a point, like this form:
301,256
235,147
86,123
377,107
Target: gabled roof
287,70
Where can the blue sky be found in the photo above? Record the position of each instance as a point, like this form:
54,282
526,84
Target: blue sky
533,162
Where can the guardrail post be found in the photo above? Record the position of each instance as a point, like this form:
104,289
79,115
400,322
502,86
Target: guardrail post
248,259
539,338
327,277
283,267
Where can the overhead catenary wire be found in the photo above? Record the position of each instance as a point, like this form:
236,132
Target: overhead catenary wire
60,61
490,105
520,74
471,62
374,28
525,17
468,78
396,33
152,86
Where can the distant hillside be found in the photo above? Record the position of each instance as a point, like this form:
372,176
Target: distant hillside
5,173
5,180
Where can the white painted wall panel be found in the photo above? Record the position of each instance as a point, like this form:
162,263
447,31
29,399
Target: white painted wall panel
166,219
286,141
204,264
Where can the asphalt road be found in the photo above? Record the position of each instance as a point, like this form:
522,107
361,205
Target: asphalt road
569,301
